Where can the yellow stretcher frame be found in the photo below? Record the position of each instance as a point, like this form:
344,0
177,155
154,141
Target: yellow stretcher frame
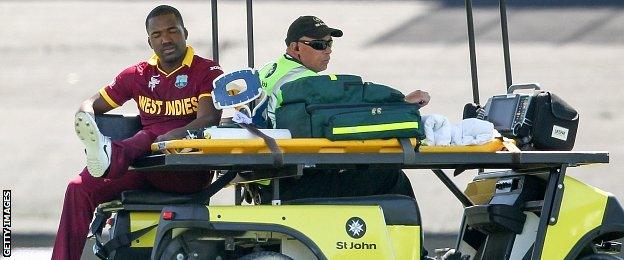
313,145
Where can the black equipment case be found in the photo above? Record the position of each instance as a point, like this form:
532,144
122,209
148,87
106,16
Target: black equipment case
541,120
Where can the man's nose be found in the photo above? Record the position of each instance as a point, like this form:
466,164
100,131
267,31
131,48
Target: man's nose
166,38
328,50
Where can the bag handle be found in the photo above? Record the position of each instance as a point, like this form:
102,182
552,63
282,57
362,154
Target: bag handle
532,86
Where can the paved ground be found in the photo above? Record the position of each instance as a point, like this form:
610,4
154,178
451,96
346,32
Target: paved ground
44,251
57,53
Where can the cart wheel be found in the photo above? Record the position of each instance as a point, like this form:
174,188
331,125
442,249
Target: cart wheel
600,257
265,255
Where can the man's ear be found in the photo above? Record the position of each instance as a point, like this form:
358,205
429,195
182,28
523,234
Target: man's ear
185,33
293,46
149,43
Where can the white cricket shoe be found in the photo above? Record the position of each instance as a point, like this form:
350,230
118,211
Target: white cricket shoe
97,146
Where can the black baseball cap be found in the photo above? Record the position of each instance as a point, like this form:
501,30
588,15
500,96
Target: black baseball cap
310,26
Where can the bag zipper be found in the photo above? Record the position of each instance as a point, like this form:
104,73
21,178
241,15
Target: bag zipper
312,108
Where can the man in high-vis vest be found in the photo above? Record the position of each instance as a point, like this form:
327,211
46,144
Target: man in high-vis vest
309,46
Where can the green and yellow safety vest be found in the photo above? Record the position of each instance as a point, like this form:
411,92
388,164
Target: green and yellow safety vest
275,74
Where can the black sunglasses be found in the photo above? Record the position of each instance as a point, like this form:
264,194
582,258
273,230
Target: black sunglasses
319,45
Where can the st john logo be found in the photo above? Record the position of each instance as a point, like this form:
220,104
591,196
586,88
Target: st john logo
356,227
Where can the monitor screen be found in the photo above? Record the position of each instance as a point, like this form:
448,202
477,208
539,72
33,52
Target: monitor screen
502,111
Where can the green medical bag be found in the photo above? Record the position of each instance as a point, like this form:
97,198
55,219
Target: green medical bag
342,107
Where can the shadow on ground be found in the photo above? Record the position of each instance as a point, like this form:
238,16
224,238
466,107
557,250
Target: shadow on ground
540,3
544,25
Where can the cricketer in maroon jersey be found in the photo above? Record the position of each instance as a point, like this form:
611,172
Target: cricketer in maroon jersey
165,100
156,80
172,91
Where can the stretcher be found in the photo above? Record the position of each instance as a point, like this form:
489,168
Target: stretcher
216,154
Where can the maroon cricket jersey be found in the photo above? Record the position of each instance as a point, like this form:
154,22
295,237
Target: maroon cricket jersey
165,101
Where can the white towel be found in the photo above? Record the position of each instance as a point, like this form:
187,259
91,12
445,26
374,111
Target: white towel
437,130
472,131
239,133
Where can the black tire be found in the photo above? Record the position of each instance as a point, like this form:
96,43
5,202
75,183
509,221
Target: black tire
265,255
600,256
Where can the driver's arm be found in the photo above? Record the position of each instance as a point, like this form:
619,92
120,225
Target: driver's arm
420,97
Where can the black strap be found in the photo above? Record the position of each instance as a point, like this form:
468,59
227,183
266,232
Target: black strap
96,231
409,152
516,153
225,179
278,157
99,222
125,239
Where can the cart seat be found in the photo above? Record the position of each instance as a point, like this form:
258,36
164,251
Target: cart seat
152,197
397,209
118,127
